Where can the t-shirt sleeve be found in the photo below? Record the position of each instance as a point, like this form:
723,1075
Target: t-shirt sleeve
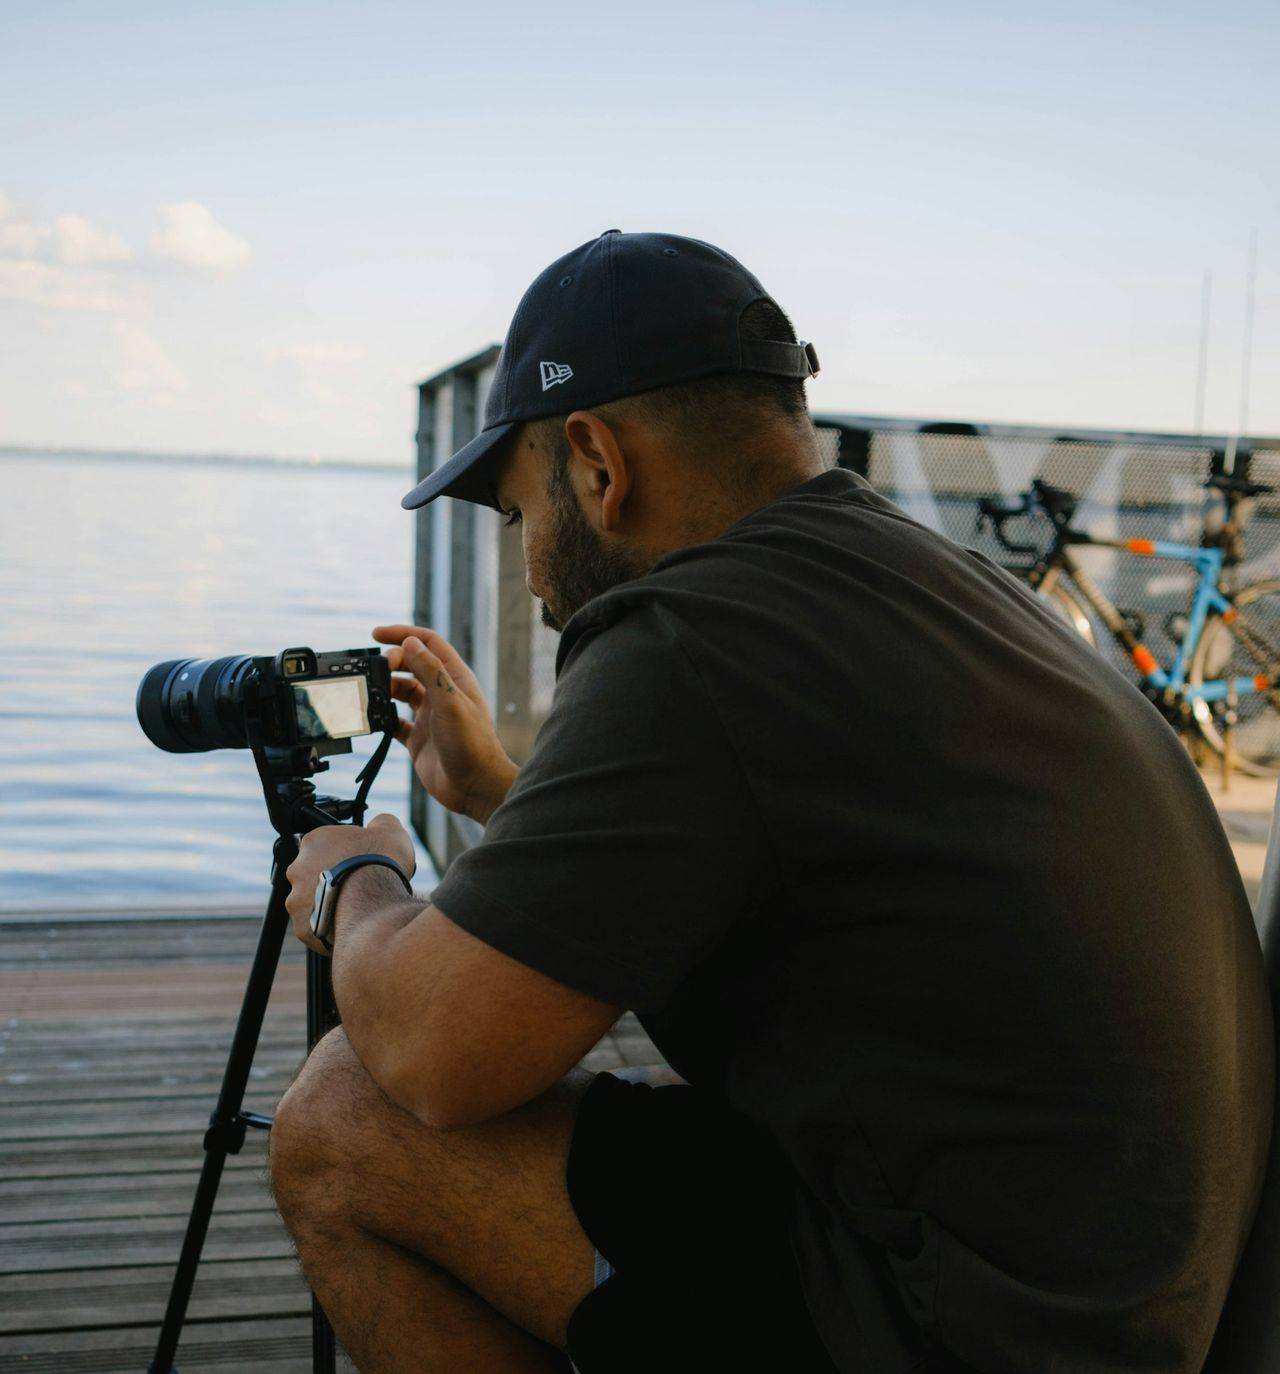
630,841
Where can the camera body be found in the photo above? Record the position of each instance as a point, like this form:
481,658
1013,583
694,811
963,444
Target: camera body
294,699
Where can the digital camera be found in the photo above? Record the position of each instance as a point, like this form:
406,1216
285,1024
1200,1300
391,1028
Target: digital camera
297,699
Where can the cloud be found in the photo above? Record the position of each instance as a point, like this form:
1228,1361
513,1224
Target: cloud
18,236
75,240
143,365
188,233
27,275
79,242
62,288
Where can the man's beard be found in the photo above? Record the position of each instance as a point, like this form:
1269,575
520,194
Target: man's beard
584,565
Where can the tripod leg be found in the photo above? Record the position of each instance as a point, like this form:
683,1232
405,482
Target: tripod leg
324,1347
227,1125
322,1016
322,1010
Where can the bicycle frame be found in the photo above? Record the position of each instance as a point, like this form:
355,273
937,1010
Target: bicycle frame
1205,600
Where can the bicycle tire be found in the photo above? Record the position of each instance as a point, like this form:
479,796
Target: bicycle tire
1220,653
1072,613
1066,606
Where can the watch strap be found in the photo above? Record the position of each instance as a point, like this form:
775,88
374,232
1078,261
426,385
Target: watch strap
345,866
334,877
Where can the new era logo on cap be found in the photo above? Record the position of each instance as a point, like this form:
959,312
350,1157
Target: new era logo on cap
554,373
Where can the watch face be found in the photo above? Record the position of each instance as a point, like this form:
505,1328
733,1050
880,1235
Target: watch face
318,907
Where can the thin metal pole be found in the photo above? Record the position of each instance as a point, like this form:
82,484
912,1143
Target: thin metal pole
1202,366
1246,354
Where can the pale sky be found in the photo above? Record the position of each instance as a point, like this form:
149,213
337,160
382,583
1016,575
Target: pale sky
252,228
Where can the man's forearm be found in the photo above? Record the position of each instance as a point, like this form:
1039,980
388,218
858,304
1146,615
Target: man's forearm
372,908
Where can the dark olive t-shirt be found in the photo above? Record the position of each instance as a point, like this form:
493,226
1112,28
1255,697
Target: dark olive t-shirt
884,854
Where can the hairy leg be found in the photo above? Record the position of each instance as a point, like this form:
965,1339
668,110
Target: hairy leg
431,1250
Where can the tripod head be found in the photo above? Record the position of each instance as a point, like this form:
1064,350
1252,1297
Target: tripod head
292,803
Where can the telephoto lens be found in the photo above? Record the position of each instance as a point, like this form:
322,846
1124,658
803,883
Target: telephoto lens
189,705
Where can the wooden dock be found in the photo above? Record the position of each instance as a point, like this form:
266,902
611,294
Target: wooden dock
114,1035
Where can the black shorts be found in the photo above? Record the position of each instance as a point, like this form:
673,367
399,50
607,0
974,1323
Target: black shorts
690,1202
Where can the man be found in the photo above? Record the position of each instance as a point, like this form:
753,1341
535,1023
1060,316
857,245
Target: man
923,903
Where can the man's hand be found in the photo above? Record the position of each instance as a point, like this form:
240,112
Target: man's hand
450,737
322,848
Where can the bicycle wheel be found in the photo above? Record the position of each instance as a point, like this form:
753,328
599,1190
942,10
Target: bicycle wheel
1247,649
1064,605
1072,613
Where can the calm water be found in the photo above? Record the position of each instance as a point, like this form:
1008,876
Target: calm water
108,566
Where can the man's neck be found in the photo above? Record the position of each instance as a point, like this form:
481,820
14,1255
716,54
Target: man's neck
803,467
779,458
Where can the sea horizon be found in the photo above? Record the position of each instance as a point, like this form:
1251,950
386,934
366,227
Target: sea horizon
91,454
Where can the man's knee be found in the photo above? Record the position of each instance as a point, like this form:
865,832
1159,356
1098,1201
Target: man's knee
304,1153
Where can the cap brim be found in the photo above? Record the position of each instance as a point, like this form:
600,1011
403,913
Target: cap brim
467,475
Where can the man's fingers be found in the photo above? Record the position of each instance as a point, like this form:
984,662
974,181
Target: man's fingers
395,635
430,671
455,665
408,689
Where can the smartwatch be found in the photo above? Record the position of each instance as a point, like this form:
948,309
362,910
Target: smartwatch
329,885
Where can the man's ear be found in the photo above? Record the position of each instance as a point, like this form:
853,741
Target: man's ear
608,468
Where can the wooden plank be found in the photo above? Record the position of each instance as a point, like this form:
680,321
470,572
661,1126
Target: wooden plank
180,1112
281,1345
135,992
31,1092
108,947
202,909
25,1089
156,1193
180,1041
128,1152
138,1297
114,1042
114,1242
89,1031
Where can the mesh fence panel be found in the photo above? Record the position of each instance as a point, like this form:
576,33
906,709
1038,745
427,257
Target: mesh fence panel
828,445
1127,489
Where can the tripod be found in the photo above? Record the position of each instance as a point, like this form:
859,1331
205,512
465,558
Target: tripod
294,810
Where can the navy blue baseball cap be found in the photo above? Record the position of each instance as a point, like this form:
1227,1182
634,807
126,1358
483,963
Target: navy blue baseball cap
622,313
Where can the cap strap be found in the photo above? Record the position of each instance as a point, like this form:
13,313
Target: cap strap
780,359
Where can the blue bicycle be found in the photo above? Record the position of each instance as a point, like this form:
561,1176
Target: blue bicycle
1224,680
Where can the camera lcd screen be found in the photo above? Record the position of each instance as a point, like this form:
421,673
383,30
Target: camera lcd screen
332,708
